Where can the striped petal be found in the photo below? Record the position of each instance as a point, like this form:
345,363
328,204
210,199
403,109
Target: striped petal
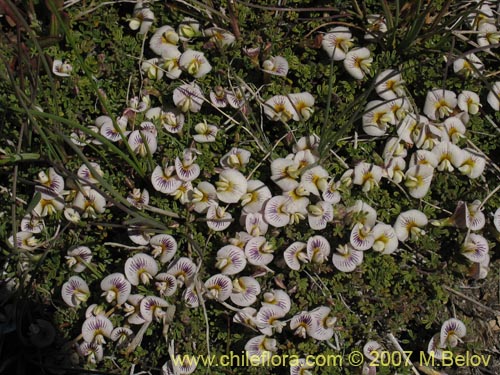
452,331
219,287
183,269
245,291
116,288
294,254
302,324
278,298
258,251
346,258
140,268
230,260
361,237
475,248
75,291
151,307
166,284
276,211
164,246
218,219
95,328
318,249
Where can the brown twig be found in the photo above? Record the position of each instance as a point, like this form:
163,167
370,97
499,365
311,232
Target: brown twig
477,303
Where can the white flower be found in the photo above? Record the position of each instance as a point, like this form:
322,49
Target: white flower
418,180
408,224
439,103
423,157
219,287
469,102
188,97
426,135
151,308
218,219
276,65
279,108
318,249
109,131
496,219
452,331
284,172
170,63
337,42
188,28
255,197
195,63
376,26
187,170
385,239
90,202
142,19
152,68
294,254
142,142
475,248
470,65
236,158
276,212
267,320
314,180
362,213
205,133
303,103
141,268
389,85
259,251
494,95
116,288
220,37
319,215
454,126
277,297
75,291
218,97
138,199
78,258
394,169
473,164
163,246
61,69
232,185
164,41
260,347
164,180
255,224
358,62
394,147
448,156
346,258
303,324
367,175
361,237
488,35
230,260
95,328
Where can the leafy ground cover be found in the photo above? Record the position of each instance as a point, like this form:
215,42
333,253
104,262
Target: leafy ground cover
201,178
